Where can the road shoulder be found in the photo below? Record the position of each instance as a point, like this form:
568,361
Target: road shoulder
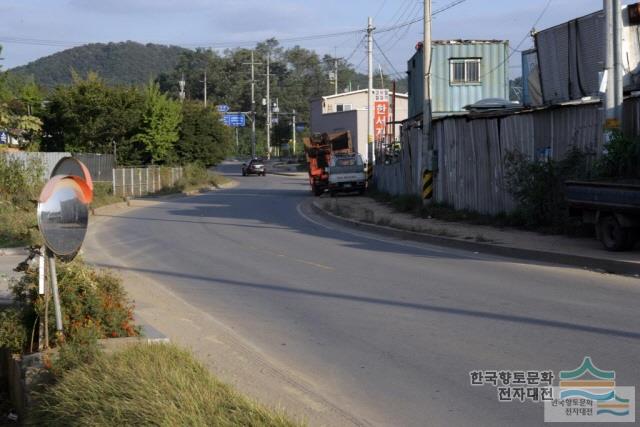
366,214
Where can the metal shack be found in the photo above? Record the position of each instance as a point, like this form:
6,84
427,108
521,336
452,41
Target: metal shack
463,72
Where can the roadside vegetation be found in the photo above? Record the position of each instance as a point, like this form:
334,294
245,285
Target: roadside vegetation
20,184
147,384
538,189
141,384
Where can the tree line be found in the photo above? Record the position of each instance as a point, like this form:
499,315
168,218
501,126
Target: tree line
151,124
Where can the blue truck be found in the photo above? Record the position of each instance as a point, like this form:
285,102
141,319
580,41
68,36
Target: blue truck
613,208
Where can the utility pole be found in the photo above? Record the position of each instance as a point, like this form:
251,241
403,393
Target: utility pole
426,104
370,93
613,67
253,104
335,74
293,131
182,84
268,108
205,88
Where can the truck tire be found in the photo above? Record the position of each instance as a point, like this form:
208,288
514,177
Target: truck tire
613,236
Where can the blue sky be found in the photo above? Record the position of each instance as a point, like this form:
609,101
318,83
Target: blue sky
53,25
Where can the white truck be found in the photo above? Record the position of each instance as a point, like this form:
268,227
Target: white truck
346,174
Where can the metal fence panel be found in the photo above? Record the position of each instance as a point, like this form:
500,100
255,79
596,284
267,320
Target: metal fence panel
100,165
141,181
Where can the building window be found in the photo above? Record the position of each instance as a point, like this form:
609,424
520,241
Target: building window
343,107
465,71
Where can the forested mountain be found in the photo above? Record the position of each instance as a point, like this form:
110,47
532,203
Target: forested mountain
116,63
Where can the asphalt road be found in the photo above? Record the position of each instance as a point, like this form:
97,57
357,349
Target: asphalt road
388,330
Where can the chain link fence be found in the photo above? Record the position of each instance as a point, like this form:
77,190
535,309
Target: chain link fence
140,181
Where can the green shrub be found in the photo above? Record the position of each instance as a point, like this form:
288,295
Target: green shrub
13,333
20,185
94,304
621,159
103,195
538,187
147,384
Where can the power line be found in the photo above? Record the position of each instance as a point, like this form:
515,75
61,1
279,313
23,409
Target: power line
221,45
396,72
516,49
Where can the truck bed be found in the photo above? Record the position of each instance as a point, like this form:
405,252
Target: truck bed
618,196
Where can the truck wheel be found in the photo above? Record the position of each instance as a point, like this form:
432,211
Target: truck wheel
612,235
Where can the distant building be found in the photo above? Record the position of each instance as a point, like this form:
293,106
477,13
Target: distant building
348,111
462,73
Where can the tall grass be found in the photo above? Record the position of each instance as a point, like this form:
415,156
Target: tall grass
147,384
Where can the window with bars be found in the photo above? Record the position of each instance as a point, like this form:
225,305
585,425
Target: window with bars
465,71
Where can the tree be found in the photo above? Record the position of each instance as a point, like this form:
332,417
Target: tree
203,138
89,117
160,123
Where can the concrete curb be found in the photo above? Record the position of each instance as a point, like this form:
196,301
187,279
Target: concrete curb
296,174
590,263
13,251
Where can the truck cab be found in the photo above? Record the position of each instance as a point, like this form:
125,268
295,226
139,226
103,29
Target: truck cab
346,173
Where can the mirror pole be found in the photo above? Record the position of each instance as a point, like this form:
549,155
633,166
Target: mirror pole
53,276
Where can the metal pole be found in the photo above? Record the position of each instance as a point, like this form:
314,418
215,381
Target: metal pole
613,96
335,75
133,191
293,131
124,184
41,270
237,141
393,117
268,108
147,180
426,105
140,182
370,93
53,277
113,181
205,87
617,61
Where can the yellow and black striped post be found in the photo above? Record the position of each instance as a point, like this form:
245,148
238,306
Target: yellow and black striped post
369,172
427,184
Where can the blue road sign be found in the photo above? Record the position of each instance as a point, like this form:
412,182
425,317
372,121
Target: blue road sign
222,108
300,126
234,120
3,137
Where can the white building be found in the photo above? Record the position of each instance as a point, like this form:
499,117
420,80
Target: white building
348,111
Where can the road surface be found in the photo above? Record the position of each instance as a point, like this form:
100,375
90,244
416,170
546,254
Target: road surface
385,330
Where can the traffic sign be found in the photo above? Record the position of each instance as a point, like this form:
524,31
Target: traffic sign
3,137
222,108
234,120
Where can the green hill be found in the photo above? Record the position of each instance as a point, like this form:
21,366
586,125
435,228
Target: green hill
117,63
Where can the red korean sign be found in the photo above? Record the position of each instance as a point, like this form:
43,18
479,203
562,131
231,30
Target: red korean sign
380,114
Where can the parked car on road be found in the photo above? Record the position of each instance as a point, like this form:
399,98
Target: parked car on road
254,167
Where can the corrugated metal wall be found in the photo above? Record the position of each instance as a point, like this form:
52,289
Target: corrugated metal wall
448,98
47,160
100,165
471,151
570,56
401,177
